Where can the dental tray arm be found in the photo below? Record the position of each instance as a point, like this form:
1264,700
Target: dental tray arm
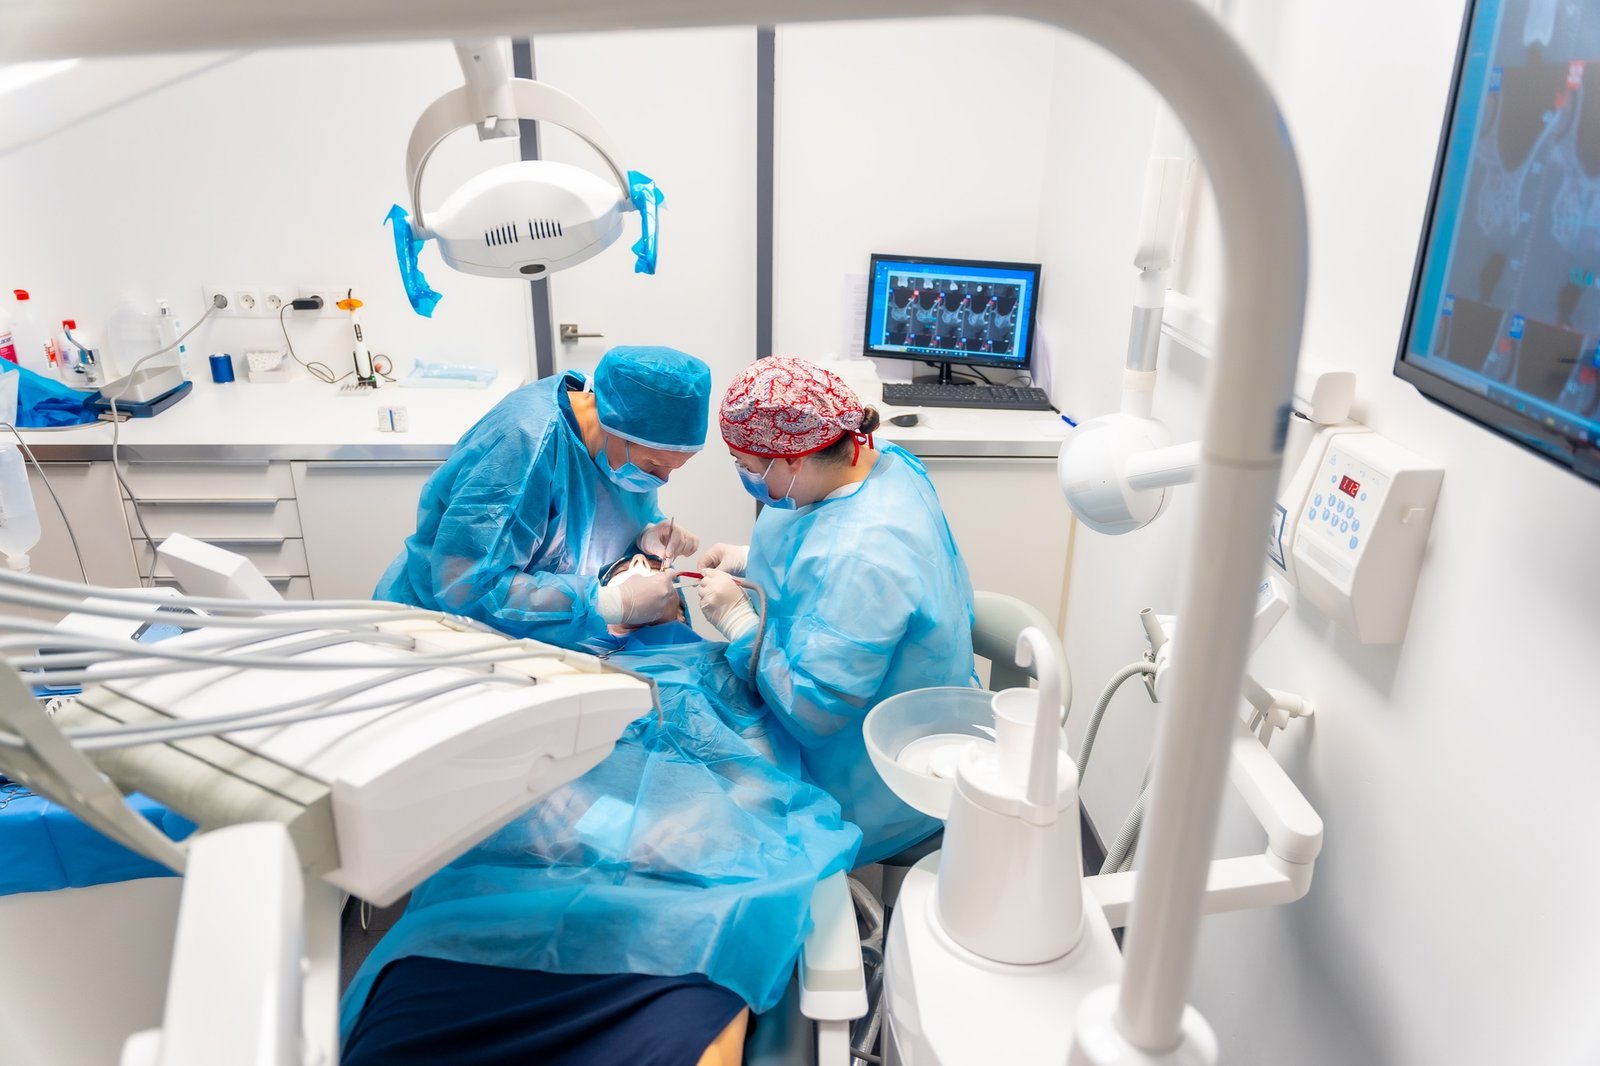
1280,874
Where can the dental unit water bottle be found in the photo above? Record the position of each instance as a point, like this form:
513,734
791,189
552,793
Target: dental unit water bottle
1010,878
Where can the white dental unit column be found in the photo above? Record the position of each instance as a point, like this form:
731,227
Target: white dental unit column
1239,135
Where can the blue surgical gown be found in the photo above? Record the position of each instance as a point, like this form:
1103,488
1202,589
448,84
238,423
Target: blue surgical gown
867,596
517,526
686,851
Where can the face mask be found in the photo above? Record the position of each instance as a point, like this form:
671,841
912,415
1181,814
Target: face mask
756,485
628,477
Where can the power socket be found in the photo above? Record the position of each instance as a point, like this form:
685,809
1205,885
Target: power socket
248,301
331,295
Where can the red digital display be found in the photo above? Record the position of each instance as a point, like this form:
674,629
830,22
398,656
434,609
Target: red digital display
1349,486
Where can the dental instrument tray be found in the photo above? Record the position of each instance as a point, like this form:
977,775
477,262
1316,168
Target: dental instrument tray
376,799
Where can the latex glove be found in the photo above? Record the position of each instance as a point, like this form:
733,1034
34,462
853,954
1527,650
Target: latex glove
730,558
725,605
640,601
668,541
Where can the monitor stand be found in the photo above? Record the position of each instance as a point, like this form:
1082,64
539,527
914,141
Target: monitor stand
943,377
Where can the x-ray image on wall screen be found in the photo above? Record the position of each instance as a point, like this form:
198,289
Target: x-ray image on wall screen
1504,323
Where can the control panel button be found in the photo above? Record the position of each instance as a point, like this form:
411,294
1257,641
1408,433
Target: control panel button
1353,542
1344,527
1318,501
1355,524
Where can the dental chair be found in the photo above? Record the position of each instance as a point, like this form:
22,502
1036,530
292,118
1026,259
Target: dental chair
832,1002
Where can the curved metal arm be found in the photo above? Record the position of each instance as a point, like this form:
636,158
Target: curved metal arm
459,108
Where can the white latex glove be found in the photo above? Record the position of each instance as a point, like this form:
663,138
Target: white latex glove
640,601
725,605
731,558
668,541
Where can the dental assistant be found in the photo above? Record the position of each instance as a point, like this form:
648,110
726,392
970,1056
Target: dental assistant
867,593
550,488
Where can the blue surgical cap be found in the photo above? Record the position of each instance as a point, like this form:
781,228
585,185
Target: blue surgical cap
658,397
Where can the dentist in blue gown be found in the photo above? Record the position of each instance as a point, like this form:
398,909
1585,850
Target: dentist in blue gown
550,488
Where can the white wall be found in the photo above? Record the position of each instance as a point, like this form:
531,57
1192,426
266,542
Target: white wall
909,137
1452,916
271,168
680,106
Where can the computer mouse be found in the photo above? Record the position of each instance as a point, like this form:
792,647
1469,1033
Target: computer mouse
904,420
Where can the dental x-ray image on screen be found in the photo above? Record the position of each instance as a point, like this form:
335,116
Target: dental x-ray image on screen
952,310
1504,322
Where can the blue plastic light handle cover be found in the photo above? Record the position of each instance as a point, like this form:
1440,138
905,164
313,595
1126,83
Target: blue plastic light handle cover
647,197
406,246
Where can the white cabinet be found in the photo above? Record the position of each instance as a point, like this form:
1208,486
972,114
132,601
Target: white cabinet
356,516
88,494
1010,523
245,506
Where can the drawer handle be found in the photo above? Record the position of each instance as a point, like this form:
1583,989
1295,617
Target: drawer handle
243,542
199,462
273,502
313,465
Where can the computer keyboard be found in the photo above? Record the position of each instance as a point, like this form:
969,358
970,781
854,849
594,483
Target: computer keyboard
992,397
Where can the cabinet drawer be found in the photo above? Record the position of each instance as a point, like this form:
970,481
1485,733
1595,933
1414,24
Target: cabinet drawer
243,480
291,588
203,519
274,557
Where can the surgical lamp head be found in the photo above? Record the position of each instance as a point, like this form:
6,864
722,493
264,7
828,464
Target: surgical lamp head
522,220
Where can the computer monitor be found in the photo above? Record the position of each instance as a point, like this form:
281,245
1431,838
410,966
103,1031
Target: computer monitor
1504,320
951,312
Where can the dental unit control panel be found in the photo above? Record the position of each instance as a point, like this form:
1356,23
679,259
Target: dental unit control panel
1351,530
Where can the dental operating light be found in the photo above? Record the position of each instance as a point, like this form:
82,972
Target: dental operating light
522,220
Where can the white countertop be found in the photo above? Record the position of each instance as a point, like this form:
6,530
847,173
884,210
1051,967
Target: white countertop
306,419
299,419
967,432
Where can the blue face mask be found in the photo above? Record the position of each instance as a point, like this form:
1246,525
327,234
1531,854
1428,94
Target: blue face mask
628,476
756,485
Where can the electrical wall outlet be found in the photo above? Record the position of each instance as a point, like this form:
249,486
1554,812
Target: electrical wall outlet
331,295
266,301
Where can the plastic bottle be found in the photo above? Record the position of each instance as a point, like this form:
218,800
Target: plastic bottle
19,520
170,330
134,335
35,349
8,344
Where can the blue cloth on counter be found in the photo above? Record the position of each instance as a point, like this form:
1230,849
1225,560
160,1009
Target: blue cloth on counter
428,1011
686,851
43,402
45,847
517,526
867,596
